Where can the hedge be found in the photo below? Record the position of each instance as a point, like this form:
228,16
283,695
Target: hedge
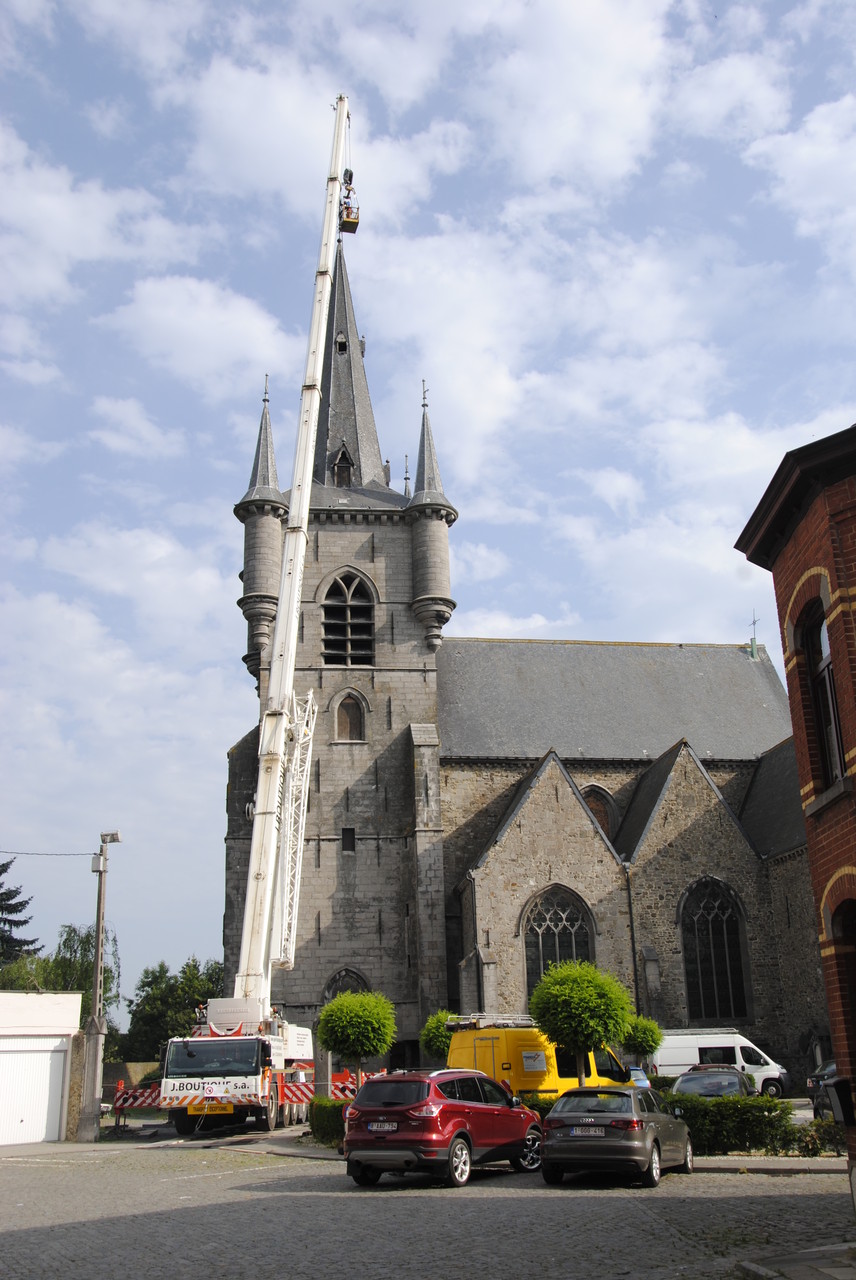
327,1120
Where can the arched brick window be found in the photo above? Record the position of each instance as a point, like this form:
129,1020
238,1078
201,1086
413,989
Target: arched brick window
712,933
348,623
557,927
821,680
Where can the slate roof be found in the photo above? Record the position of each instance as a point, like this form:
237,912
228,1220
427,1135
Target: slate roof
772,814
514,699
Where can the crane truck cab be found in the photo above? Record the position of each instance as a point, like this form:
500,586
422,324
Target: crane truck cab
512,1049
234,1066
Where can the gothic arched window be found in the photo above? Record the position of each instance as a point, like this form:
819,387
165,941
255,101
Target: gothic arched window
349,720
348,623
557,927
713,954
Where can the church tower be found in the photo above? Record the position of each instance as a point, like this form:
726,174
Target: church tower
375,597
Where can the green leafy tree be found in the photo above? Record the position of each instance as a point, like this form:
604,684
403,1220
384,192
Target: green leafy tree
643,1038
435,1037
164,1005
70,967
357,1025
12,920
579,1007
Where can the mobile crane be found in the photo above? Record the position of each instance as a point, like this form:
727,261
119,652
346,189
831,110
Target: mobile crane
237,1062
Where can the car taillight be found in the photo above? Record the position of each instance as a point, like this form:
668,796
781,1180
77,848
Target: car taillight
627,1124
552,1122
426,1111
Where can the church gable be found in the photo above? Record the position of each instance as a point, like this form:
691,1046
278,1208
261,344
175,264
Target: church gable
679,809
548,807
548,866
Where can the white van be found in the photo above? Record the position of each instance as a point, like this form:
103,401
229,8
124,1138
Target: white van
719,1046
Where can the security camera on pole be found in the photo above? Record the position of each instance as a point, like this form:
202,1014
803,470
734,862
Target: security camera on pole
96,1024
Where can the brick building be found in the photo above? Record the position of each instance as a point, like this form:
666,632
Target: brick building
479,808
804,531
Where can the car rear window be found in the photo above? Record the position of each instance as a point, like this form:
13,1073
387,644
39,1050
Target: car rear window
706,1082
587,1102
391,1093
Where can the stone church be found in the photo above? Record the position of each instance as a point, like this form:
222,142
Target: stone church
480,808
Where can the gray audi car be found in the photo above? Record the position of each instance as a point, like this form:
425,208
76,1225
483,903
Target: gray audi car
621,1130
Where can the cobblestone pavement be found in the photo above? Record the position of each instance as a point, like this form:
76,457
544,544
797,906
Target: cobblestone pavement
207,1209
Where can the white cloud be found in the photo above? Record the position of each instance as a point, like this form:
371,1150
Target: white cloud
477,562
208,337
34,372
51,223
152,33
574,91
129,430
738,96
179,598
499,623
17,448
109,119
620,490
813,175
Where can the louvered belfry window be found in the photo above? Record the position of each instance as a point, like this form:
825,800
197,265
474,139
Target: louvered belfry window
348,623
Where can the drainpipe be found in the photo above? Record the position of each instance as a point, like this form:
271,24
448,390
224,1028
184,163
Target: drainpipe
479,991
632,934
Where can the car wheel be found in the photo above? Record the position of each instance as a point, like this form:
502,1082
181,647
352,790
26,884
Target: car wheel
366,1176
772,1088
552,1174
687,1164
651,1176
529,1161
460,1163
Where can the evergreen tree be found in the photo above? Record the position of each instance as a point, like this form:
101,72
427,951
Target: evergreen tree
12,919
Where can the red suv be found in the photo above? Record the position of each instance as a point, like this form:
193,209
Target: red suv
438,1122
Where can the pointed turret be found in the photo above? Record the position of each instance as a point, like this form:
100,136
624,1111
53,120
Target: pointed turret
431,514
347,453
261,511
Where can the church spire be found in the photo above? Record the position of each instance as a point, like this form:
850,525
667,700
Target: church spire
428,487
347,453
263,482
430,513
261,512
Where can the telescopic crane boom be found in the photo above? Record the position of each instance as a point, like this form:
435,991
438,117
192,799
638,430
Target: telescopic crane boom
288,721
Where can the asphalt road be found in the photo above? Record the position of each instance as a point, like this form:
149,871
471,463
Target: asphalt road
262,1207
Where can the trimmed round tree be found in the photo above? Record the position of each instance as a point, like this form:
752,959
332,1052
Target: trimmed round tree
579,1008
644,1037
435,1037
357,1025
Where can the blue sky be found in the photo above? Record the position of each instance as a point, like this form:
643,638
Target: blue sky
616,238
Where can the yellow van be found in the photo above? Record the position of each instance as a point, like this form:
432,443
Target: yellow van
513,1050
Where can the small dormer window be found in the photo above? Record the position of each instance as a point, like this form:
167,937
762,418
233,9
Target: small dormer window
343,469
341,344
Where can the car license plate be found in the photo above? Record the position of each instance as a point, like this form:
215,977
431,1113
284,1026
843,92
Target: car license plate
210,1109
383,1126
588,1131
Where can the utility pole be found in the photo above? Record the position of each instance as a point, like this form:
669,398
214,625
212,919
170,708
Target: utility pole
89,1125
